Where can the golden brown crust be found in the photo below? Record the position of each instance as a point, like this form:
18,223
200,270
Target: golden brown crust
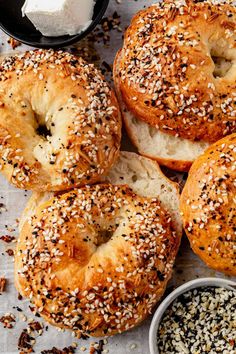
180,166
172,163
167,73
80,276
208,206
72,100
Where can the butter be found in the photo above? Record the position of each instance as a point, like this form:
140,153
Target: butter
55,18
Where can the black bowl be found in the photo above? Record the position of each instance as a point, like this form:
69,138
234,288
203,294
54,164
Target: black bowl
20,28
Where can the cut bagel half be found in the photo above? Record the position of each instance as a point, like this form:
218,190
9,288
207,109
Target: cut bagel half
146,179
170,151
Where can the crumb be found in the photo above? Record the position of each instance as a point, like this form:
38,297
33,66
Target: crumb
3,282
10,252
7,238
8,320
14,43
2,208
100,347
35,326
92,350
133,346
25,342
107,25
68,350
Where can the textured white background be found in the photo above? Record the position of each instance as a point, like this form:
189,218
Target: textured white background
188,266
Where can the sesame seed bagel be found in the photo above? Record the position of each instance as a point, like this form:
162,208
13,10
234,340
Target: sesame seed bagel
60,124
208,206
168,150
177,69
95,260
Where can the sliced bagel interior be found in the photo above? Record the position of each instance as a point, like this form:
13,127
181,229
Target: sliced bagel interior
171,151
146,179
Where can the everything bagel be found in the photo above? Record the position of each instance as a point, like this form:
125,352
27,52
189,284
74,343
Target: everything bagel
96,259
208,206
176,75
60,124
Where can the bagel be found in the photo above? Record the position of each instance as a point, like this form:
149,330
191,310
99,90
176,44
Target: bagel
208,206
60,124
146,179
176,79
170,151
97,259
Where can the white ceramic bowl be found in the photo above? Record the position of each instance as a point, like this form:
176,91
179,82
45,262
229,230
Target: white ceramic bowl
197,283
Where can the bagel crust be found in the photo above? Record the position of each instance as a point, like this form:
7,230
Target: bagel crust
171,151
60,124
177,68
208,206
96,259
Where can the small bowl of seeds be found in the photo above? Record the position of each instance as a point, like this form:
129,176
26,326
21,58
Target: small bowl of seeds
198,317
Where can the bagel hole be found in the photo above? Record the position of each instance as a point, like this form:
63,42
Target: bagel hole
43,131
222,65
104,236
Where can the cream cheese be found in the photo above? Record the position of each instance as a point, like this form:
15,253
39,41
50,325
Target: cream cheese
55,18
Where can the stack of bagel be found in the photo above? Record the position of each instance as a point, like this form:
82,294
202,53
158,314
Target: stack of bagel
100,234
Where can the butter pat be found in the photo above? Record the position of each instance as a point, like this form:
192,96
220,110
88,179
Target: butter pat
55,18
